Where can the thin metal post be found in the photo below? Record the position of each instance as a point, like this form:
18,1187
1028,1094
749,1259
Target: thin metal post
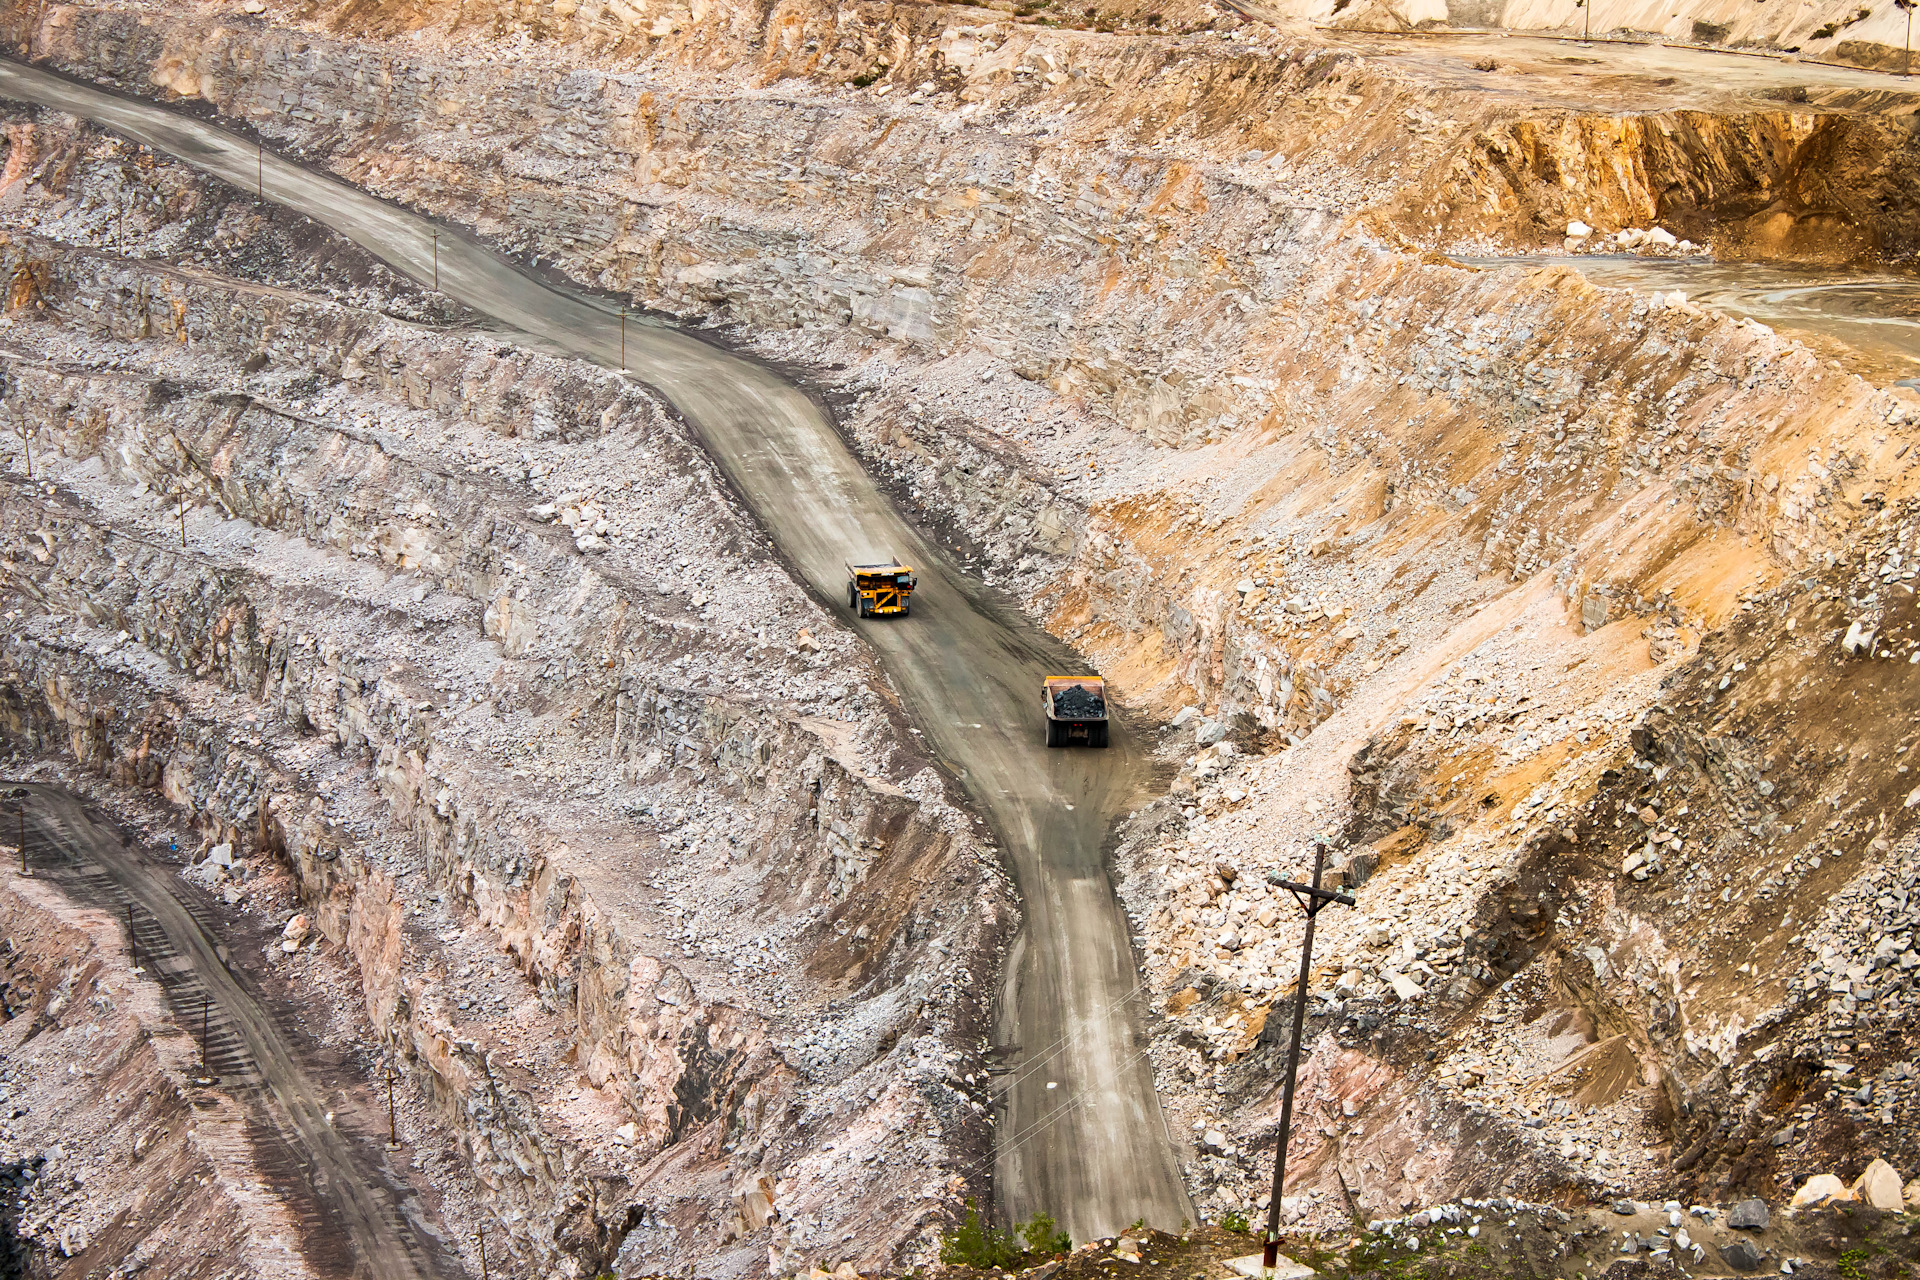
393,1134
482,1234
22,811
436,262
206,1011
260,168
133,938
623,339
26,443
183,519
1311,898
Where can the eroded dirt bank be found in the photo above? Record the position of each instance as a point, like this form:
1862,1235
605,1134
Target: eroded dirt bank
1481,579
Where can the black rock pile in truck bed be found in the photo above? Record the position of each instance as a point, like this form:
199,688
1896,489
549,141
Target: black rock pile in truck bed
1078,703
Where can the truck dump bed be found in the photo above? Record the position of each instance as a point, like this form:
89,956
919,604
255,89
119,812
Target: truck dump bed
1076,710
1078,702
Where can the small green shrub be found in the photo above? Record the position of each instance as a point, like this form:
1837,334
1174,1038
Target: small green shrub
1044,1238
975,1244
1848,1264
1234,1220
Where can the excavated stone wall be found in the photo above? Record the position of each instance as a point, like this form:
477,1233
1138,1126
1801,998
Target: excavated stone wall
371,662
1149,326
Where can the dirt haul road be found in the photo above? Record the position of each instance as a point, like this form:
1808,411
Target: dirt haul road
1082,1136
360,1230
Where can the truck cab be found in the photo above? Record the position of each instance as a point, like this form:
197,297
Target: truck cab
877,590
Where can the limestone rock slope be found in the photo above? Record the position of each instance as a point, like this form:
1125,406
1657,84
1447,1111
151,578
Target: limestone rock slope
476,642
1478,580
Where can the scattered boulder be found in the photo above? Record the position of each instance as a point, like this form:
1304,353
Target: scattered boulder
1749,1215
1577,230
1403,986
805,642
295,933
1742,1255
1879,1186
1820,1189
1858,642
753,1203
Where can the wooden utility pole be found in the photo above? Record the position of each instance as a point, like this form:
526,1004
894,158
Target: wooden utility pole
482,1235
393,1133
1311,898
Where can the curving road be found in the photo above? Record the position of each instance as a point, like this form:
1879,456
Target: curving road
355,1225
1081,1136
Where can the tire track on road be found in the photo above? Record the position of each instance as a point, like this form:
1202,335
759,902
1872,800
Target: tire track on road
355,1222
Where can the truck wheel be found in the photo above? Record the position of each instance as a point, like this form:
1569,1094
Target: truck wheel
1053,733
1097,735
853,597
906,607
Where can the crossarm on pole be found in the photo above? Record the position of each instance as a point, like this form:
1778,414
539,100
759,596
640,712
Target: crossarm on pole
1315,894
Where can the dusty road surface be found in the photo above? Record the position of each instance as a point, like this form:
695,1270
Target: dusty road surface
1618,74
1870,321
360,1228
1082,1137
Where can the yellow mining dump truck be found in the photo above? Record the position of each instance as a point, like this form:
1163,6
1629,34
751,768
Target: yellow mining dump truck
1076,710
874,589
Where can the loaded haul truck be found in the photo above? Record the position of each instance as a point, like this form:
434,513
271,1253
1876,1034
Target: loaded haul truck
1076,710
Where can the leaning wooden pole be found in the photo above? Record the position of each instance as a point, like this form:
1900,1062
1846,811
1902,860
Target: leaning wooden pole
1311,898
